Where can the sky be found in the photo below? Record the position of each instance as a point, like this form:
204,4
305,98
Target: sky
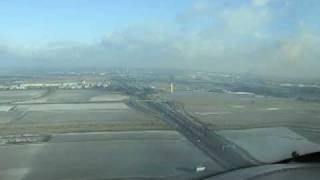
263,37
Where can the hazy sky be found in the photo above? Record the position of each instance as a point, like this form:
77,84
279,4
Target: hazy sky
269,37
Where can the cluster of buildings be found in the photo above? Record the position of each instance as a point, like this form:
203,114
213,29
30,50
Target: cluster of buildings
63,85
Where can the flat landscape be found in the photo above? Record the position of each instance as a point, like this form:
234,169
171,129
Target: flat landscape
105,155
74,95
99,129
15,96
95,133
241,110
61,111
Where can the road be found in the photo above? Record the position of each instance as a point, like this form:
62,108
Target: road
219,149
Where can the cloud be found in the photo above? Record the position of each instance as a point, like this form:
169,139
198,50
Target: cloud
199,11
260,3
246,20
298,55
241,41
3,49
200,6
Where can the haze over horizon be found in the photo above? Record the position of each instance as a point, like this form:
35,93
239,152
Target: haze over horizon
265,37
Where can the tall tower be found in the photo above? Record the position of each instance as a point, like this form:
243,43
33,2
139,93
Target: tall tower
171,87
172,84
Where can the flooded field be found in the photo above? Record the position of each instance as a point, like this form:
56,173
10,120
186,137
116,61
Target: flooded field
238,111
143,155
61,96
5,108
73,107
83,95
109,97
63,111
19,95
6,117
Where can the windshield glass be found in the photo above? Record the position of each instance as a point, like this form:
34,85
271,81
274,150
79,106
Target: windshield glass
156,89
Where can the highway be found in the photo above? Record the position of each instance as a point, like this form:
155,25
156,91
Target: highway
219,149
227,154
